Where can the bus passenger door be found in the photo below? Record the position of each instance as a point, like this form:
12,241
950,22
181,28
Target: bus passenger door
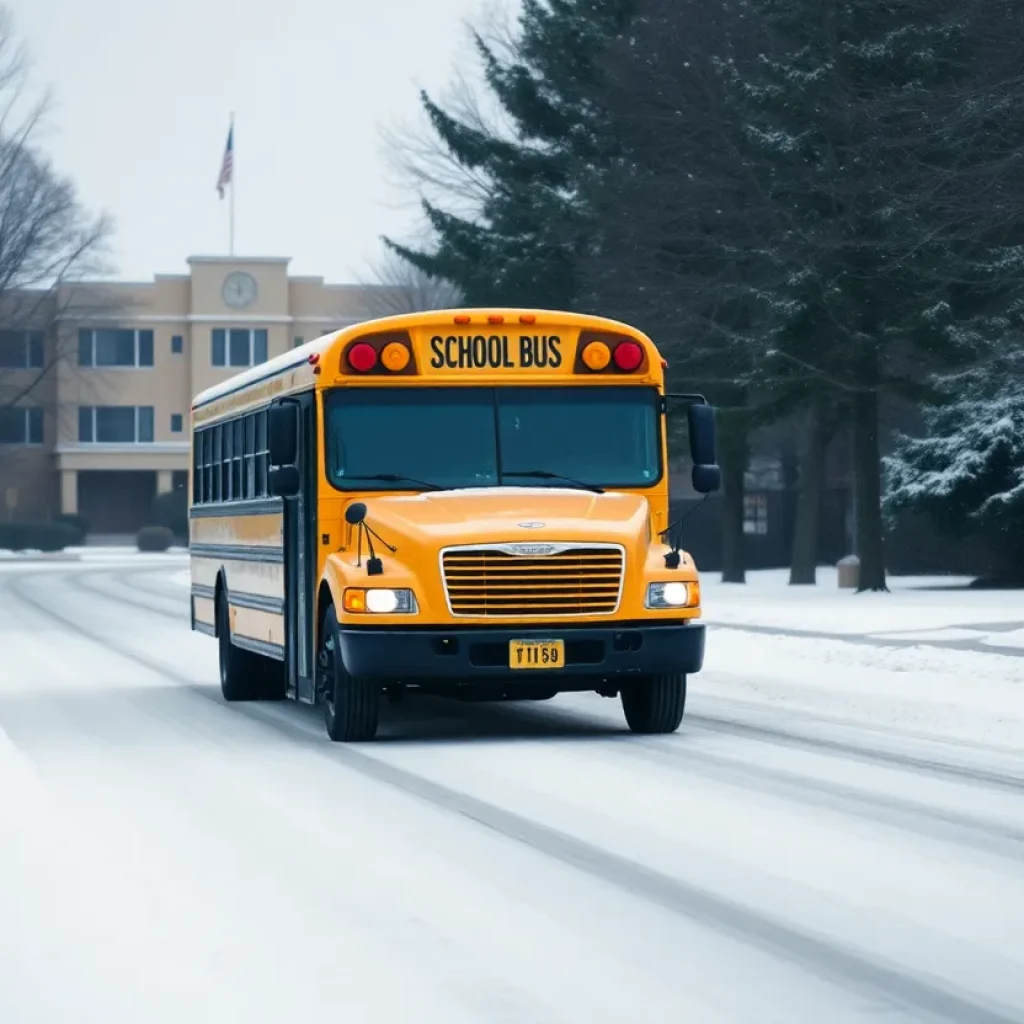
300,560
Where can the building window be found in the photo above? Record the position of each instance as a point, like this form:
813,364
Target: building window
238,346
297,342
107,347
177,344
115,424
21,350
21,425
175,422
755,514
230,460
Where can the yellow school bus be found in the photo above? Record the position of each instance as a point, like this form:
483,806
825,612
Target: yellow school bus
470,502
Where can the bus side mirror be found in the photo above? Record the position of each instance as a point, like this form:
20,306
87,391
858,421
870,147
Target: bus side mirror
283,481
283,433
706,476
355,513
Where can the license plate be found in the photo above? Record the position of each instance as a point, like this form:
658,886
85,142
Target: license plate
538,654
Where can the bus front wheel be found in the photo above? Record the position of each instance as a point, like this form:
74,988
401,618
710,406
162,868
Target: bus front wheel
351,704
655,704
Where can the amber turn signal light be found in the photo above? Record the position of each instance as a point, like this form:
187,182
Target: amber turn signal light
395,356
597,355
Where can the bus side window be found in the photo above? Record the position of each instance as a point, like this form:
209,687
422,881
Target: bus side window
208,465
197,466
218,494
237,486
262,454
227,443
249,469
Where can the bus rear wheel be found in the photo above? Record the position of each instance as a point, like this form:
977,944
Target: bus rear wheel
351,704
245,675
655,704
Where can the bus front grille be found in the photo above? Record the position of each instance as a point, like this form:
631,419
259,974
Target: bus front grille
573,580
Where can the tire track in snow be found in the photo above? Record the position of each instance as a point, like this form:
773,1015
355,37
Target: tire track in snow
732,709
799,741
91,582
712,723
817,954
903,815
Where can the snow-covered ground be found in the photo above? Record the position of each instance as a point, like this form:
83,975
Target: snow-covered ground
833,835
932,654
929,608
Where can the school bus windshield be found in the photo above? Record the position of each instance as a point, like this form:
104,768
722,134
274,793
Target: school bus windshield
454,437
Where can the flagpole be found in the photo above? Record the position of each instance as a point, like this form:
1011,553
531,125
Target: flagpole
231,213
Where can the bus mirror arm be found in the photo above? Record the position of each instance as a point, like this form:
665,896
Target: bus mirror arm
693,399
673,535
706,477
355,515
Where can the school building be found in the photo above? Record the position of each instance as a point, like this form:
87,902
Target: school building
96,380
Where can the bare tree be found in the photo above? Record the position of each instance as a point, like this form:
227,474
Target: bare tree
396,286
419,164
48,242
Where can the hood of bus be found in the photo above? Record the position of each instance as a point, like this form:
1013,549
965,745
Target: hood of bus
509,515
420,527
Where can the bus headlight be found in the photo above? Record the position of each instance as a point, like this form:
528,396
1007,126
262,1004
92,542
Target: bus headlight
673,595
380,601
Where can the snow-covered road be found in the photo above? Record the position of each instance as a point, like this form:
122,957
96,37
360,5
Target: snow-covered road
783,858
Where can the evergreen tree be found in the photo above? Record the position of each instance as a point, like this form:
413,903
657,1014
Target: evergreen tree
806,198
967,472
683,246
850,111
522,248
911,126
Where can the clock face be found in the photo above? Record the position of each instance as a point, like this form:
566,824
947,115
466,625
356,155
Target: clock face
239,290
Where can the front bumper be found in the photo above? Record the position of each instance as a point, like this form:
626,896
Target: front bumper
481,653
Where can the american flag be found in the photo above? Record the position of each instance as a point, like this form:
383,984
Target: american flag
228,163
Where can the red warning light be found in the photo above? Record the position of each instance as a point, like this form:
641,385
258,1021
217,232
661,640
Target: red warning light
628,355
362,357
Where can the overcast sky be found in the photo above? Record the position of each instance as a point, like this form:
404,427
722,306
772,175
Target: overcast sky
143,91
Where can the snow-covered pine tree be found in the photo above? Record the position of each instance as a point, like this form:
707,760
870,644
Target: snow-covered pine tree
870,127
967,472
521,246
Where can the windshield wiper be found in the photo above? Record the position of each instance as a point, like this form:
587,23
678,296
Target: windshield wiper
397,478
543,474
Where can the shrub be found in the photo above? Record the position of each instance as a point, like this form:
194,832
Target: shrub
80,523
170,509
154,538
54,536
38,536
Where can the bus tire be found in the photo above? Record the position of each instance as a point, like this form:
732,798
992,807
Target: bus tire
351,703
245,675
655,704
